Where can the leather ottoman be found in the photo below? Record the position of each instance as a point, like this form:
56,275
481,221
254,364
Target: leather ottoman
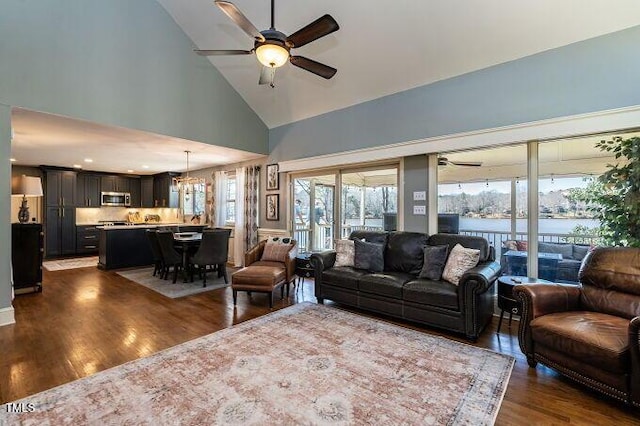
261,279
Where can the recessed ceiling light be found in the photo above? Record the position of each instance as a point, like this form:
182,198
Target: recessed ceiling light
13,160
145,167
129,171
88,160
77,166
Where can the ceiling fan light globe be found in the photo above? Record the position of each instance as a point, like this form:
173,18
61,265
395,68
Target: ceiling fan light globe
272,55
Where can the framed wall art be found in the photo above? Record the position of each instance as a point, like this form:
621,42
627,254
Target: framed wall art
273,178
273,206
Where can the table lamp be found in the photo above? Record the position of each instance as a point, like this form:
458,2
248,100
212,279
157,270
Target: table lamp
30,186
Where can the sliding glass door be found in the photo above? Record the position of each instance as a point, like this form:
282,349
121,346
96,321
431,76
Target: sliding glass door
314,211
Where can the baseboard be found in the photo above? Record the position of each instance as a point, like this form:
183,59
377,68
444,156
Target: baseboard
7,316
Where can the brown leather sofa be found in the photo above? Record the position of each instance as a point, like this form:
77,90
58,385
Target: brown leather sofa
264,276
590,333
465,308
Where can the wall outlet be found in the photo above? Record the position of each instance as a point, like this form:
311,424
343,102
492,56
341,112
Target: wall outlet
419,195
420,210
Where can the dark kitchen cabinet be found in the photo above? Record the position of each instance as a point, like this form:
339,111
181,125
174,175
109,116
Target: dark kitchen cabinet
134,190
165,193
87,239
114,183
60,188
88,190
27,249
146,192
60,231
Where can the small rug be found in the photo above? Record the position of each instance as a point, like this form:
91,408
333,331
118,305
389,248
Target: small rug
306,364
167,288
76,262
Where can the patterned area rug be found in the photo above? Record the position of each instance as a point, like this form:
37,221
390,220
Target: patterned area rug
167,288
307,364
77,262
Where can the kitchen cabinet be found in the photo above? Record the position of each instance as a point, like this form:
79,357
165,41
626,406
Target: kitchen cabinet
27,249
88,190
87,237
165,193
60,231
113,183
146,192
60,188
134,190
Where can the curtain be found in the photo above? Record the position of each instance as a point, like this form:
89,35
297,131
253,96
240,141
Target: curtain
239,240
218,209
251,206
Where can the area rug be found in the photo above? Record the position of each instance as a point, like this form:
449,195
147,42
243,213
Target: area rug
76,262
144,276
306,364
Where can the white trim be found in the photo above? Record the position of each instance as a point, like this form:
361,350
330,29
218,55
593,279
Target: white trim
581,124
7,316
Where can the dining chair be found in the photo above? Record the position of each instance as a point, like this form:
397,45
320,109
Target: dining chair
171,256
213,251
158,261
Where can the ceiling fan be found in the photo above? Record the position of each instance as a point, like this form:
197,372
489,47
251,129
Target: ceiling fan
444,161
272,48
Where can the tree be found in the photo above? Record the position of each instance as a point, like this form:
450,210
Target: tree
614,197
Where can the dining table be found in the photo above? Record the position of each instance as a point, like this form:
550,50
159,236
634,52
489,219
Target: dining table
187,243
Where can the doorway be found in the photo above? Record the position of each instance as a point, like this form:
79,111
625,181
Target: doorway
313,219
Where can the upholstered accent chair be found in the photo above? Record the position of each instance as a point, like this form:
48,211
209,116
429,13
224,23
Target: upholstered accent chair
266,272
590,333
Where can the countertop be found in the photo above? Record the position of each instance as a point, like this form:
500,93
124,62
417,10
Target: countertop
137,225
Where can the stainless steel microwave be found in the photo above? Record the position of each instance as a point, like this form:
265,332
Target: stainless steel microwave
115,199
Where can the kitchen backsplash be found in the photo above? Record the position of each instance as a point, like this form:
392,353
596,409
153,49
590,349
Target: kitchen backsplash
95,215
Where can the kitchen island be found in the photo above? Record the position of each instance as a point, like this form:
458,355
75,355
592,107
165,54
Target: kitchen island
126,246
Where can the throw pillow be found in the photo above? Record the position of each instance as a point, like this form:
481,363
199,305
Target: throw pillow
460,260
345,253
510,245
522,245
435,257
369,256
275,252
279,240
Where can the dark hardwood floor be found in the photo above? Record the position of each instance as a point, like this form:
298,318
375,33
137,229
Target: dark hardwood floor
87,320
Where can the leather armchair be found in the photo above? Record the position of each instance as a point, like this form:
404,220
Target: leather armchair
590,333
254,255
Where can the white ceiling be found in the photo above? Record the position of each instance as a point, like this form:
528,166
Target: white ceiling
52,140
387,47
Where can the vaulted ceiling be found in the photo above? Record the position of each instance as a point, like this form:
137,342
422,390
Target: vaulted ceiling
388,47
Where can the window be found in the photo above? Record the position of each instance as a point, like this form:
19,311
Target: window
193,199
230,216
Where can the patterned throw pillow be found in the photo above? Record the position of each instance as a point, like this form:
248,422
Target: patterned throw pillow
276,252
435,257
510,245
345,253
522,245
278,240
460,260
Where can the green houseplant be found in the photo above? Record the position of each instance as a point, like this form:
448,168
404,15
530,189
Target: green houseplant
614,196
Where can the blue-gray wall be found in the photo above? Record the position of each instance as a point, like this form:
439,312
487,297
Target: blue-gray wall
593,75
116,62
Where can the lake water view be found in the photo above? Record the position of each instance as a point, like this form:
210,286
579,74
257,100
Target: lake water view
545,226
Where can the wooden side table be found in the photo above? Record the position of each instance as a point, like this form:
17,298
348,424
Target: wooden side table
506,301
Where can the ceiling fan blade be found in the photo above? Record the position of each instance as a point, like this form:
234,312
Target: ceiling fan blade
466,163
238,17
267,75
315,30
222,52
310,65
